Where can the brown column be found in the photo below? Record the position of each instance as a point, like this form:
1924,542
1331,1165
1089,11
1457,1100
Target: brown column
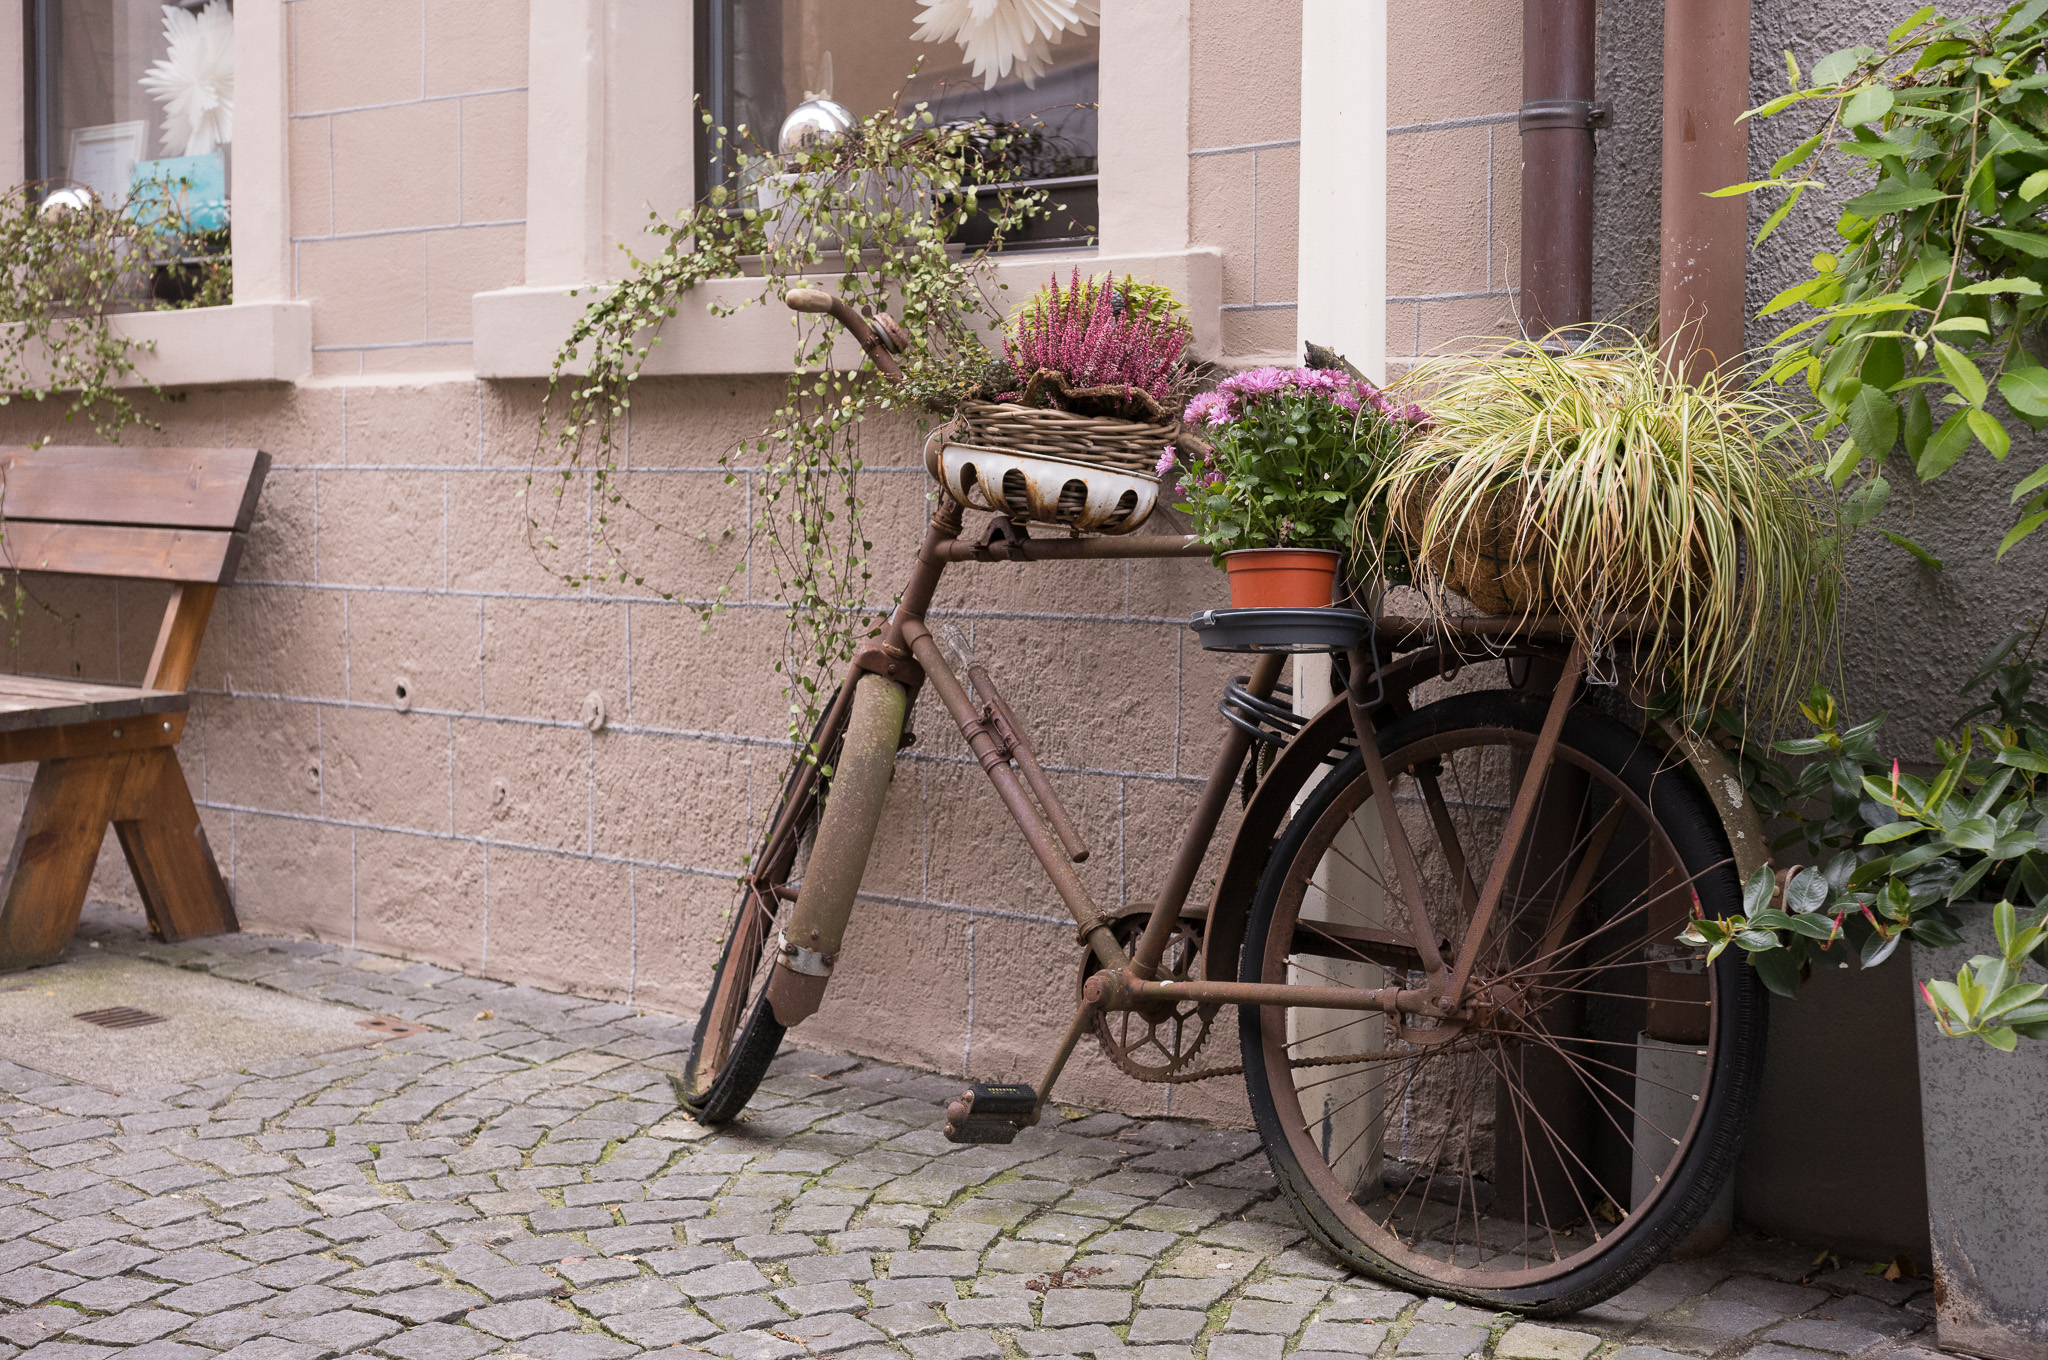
1558,117
1706,88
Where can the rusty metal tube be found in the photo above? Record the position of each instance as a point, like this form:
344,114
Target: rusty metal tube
1027,763
1194,841
1071,549
1557,122
846,833
1706,88
1010,789
1112,992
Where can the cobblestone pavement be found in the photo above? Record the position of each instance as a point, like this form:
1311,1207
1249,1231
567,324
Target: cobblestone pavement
519,1181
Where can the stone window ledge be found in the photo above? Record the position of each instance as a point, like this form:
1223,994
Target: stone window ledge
519,330
249,342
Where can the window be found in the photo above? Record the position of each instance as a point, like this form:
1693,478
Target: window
133,100
757,59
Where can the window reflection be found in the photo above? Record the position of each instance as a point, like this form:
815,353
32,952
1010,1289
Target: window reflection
758,59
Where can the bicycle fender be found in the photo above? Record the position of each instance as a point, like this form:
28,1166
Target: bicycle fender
1252,843
846,833
1724,787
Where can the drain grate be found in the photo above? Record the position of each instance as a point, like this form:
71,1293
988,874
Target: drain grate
120,1017
391,1027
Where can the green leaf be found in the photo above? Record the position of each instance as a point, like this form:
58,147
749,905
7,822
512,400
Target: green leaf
1842,465
1973,833
2004,285
1892,831
1883,364
2032,482
1989,433
1867,105
1918,426
1875,422
1944,447
1908,24
1778,969
1806,891
2027,243
2020,531
1836,67
1961,372
1914,548
1798,155
1859,507
1758,889
2034,185
2025,390
1886,199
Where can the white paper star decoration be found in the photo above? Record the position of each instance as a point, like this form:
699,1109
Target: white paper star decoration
195,82
1002,36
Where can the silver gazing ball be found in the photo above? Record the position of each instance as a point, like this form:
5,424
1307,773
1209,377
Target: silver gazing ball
812,124
71,198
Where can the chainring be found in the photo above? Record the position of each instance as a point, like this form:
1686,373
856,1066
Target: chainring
1156,1045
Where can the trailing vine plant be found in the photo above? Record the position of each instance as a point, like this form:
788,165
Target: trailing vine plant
869,216
1925,326
71,265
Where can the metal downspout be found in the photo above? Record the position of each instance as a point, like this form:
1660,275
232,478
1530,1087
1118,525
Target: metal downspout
1557,122
1706,88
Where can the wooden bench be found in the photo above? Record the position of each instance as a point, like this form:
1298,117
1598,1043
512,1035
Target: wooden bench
108,753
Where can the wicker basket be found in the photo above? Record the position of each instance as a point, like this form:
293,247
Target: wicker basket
1495,558
1122,445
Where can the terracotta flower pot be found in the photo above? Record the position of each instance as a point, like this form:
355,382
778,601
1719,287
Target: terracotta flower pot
1281,578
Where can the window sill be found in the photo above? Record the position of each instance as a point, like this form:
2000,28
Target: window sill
249,342
519,330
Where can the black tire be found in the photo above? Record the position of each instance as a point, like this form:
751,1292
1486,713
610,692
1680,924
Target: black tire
1734,1029
737,1027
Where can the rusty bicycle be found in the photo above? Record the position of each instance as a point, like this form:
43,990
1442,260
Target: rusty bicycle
1481,1062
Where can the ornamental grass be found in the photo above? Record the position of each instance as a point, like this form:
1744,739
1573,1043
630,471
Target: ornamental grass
1616,488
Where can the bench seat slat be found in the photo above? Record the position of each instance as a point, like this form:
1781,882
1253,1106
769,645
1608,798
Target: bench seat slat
167,488
201,555
33,701
78,691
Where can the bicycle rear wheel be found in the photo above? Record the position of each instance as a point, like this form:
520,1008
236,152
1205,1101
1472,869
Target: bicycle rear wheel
1548,1151
737,1032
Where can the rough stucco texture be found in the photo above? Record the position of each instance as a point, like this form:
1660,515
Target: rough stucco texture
482,826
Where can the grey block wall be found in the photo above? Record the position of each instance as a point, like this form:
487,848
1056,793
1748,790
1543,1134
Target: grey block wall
1910,636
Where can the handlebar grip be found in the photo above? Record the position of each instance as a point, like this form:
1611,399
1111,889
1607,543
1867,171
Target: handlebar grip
808,300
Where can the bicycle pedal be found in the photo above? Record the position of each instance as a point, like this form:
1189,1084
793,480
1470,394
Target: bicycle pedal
990,1114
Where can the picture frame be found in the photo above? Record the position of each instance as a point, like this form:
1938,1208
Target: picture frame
103,158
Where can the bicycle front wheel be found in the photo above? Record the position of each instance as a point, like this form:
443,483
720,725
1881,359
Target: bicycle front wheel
737,1032
1545,1151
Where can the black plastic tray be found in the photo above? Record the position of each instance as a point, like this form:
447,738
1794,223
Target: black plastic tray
1328,629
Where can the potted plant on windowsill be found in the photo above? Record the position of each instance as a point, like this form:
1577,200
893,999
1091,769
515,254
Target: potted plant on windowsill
1286,483
1599,484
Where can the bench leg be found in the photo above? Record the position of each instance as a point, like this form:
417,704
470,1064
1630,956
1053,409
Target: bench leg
55,849
167,851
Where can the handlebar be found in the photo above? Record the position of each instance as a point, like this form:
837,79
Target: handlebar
881,341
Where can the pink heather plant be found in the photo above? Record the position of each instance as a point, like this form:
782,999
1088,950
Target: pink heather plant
1098,335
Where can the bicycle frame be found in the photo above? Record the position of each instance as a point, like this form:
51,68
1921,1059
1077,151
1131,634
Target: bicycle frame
871,706
870,712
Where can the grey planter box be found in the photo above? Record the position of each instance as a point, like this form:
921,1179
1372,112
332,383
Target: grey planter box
1984,1121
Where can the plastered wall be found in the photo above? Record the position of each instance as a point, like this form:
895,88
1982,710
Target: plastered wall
479,822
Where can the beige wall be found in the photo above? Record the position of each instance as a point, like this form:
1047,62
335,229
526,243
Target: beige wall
407,154
482,825
1244,166
1454,161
